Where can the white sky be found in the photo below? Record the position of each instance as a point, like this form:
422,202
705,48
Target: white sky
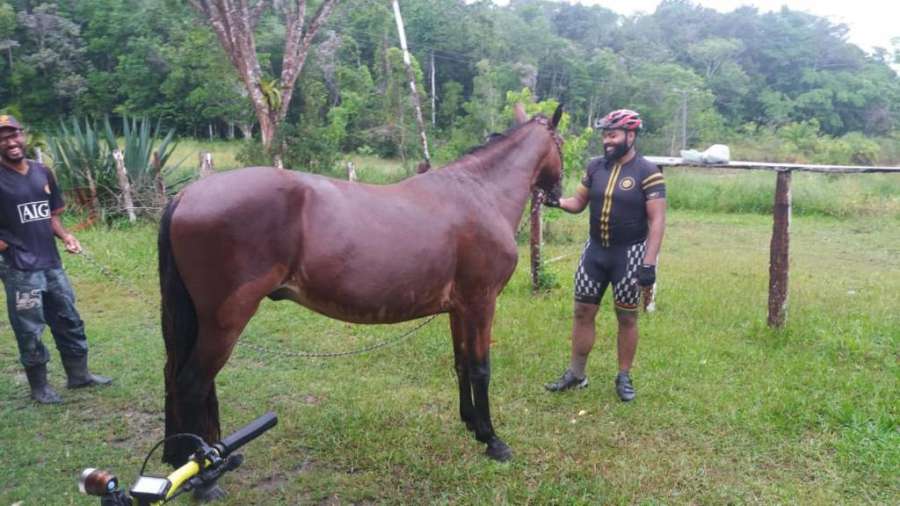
871,22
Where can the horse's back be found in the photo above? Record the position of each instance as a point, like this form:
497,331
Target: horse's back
349,250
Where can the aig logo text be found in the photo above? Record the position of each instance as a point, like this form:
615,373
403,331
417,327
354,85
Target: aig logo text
34,211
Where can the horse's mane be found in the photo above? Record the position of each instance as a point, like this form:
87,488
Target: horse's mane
495,137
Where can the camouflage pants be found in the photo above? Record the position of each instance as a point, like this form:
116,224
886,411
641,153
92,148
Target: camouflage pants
36,299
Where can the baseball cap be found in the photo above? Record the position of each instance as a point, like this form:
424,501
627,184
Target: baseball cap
7,121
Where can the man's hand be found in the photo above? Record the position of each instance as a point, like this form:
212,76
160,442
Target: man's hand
3,246
551,200
71,243
646,275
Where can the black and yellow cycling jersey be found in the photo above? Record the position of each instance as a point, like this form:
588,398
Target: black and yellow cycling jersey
618,195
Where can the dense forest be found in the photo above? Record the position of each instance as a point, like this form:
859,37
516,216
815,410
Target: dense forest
787,82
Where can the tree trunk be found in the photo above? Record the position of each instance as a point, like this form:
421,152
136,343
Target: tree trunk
234,22
94,212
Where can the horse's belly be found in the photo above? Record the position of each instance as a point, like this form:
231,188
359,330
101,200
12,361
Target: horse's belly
359,305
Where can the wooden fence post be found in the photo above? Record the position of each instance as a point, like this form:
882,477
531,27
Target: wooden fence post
536,240
124,185
158,181
206,164
779,257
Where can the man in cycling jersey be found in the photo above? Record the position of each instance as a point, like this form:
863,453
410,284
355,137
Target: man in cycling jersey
627,197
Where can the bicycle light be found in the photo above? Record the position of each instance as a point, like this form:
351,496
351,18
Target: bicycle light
97,482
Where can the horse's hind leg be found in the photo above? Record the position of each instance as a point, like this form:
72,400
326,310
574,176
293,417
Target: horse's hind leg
476,325
194,392
466,407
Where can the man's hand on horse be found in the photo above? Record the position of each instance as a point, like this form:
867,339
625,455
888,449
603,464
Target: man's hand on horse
646,275
551,200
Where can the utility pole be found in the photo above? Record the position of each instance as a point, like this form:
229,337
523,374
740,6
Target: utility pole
684,120
412,83
684,113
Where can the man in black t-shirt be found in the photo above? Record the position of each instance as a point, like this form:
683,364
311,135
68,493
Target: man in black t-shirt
627,197
38,292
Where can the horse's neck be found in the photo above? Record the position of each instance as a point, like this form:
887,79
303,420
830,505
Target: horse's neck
506,171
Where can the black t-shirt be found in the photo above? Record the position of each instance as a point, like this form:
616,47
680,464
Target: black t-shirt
618,198
26,204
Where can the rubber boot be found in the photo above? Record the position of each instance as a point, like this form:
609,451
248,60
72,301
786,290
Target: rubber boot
40,389
78,374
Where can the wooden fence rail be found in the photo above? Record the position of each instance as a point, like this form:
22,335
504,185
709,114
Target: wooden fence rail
779,254
665,161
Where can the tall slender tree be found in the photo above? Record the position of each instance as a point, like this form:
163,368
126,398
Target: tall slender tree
235,21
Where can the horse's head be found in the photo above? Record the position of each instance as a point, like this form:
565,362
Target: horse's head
549,174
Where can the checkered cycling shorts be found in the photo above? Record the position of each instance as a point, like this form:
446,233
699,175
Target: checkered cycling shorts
617,265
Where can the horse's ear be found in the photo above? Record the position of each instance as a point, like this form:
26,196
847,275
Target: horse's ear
557,115
519,111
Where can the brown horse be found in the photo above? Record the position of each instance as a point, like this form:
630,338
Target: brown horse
439,242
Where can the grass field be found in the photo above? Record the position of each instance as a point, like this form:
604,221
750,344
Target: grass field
728,411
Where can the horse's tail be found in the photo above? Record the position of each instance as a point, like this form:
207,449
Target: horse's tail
179,329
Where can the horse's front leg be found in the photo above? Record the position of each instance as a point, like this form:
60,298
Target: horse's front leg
477,327
466,408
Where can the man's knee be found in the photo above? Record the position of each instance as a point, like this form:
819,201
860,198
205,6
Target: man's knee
585,313
32,351
627,317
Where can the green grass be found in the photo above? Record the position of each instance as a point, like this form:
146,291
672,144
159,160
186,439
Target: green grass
738,191
728,411
224,153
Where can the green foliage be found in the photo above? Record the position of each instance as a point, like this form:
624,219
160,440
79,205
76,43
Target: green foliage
812,194
82,158
147,153
575,147
695,74
546,280
314,148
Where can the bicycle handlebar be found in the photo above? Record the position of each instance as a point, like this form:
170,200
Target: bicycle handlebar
103,484
246,434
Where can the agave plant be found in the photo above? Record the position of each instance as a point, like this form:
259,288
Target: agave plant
83,160
84,164
147,155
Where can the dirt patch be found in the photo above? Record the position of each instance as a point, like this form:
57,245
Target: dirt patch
140,426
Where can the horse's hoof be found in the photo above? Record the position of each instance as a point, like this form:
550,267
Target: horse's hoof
498,451
210,493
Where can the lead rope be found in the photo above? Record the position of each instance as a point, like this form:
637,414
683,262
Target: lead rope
125,285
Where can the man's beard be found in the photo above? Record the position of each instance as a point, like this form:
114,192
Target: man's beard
618,151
